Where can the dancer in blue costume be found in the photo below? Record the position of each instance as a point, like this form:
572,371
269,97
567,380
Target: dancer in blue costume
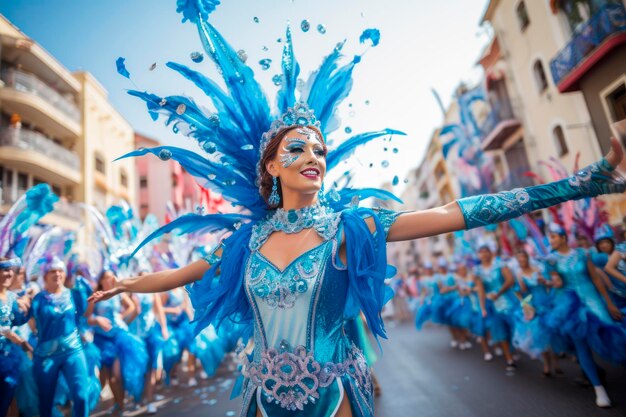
13,312
498,282
59,349
583,311
124,358
469,309
178,312
443,302
429,290
150,325
616,270
297,263
532,334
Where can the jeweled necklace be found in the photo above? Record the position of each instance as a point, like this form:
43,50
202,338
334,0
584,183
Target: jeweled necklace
318,217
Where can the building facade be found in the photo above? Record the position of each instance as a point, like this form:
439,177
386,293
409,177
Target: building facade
58,127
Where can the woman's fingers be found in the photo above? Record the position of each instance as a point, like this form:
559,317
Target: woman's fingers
616,154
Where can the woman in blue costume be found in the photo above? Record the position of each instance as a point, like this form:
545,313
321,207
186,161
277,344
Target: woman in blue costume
59,348
616,270
297,265
150,325
177,310
444,302
124,358
469,310
498,282
532,334
582,310
13,312
429,291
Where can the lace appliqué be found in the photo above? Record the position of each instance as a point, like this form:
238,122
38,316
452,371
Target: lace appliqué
293,380
386,217
494,208
598,178
281,290
324,220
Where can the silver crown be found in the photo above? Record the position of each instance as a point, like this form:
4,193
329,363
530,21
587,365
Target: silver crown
299,115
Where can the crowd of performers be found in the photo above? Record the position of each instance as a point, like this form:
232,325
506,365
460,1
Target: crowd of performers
568,302
58,350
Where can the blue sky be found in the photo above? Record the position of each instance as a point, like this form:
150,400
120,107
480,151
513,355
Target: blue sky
424,45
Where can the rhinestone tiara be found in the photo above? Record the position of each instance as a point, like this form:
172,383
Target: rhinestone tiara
299,115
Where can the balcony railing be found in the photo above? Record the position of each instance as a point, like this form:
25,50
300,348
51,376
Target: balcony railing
610,20
23,81
30,140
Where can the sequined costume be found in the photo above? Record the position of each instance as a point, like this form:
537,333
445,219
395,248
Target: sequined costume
303,362
500,312
618,288
118,343
11,355
146,327
59,351
580,313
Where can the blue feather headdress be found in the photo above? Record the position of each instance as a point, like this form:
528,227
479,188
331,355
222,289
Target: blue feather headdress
231,139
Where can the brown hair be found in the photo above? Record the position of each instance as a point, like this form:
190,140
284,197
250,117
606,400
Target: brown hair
266,180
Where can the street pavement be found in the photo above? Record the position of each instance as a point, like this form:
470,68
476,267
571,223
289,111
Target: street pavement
422,376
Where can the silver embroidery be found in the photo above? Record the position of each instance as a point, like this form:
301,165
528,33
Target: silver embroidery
281,289
293,379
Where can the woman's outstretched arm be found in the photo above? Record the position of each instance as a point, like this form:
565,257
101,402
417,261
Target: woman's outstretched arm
482,210
156,282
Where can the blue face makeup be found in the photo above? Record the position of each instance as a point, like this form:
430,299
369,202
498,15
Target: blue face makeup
295,146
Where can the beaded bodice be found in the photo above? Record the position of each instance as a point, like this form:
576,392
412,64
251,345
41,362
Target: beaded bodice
112,310
573,270
7,311
146,318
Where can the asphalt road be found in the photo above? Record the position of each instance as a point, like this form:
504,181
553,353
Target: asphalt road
422,376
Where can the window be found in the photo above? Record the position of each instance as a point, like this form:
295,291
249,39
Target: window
559,141
22,181
99,162
617,103
123,178
143,182
522,16
540,76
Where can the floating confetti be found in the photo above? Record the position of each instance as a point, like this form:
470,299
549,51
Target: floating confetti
385,149
371,165
367,102
279,40
181,109
165,154
256,19
197,57
396,180
305,25
348,129
265,48
265,64
370,35
152,67
395,150
247,147
243,56
277,79
121,67
406,180
384,164
209,147
350,105
321,29
352,113
214,119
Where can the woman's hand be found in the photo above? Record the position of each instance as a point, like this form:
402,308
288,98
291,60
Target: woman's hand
615,312
98,296
23,303
103,323
616,154
165,333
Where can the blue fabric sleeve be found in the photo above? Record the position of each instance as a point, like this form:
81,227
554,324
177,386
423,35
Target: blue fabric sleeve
596,179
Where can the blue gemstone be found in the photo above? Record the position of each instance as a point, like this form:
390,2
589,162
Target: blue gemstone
292,216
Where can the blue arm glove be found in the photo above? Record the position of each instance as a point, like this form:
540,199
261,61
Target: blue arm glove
596,179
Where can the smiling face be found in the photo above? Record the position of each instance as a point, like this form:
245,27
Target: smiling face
54,280
557,240
6,277
300,161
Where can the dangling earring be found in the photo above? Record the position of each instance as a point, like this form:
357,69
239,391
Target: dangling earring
274,198
321,195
